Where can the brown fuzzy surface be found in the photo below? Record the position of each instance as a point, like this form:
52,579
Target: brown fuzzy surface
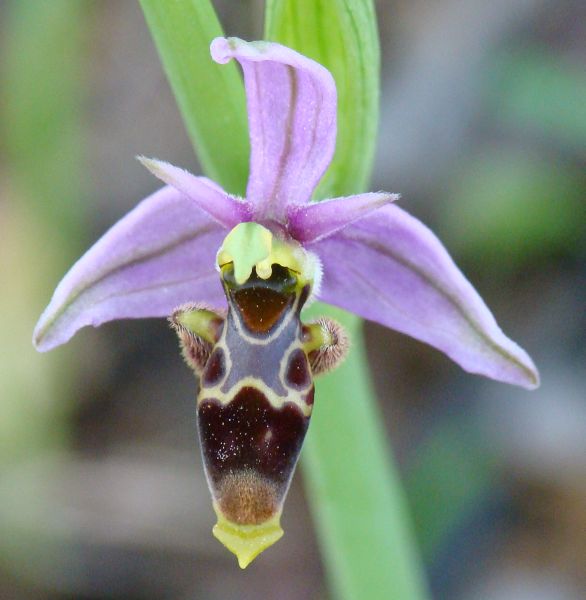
246,498
330,355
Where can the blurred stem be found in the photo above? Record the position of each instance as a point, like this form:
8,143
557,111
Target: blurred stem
42,78
357,499
41,209
42,205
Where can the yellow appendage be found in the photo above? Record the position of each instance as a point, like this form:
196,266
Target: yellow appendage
247,541
251,246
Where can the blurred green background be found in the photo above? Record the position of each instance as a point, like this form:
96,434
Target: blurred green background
483,132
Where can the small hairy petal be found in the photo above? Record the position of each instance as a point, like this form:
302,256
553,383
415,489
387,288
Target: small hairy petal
318,220
390,268
196,345
205,193
332,353
160,255
292,121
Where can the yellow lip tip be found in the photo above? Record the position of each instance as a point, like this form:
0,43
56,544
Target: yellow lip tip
247,541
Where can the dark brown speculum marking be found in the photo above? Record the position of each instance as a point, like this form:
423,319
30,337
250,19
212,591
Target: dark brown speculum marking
250,449
262,302
215,368
297,373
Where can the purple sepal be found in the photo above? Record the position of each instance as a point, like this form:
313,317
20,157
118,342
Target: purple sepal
318,220
227,210
160,255
390,268
292,121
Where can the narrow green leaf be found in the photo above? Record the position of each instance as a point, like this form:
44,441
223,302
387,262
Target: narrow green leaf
210,96
341,35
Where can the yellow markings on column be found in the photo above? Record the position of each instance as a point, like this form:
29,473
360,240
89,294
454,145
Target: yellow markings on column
250,245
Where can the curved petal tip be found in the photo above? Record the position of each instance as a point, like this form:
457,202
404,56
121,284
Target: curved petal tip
400,275
220,50
226,210
224,49
532,379
40,344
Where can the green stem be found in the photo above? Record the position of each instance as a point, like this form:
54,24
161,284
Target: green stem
41,225
355,493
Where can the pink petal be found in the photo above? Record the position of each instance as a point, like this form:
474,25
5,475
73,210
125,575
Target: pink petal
318,220
292,119
227,210
160,255
391,268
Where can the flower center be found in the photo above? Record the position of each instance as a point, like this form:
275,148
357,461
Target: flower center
250,246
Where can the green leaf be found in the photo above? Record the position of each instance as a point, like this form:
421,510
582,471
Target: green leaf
341,35
210,96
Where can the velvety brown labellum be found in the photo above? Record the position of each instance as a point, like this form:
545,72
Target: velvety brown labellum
250,449
255,398
256,368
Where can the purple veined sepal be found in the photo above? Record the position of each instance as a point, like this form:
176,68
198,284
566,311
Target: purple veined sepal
292,122
205,194
160,255
390,268
256,396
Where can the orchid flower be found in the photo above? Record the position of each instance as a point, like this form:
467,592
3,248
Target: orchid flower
191,250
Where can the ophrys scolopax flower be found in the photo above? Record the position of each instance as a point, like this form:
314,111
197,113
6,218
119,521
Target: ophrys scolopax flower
194,246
